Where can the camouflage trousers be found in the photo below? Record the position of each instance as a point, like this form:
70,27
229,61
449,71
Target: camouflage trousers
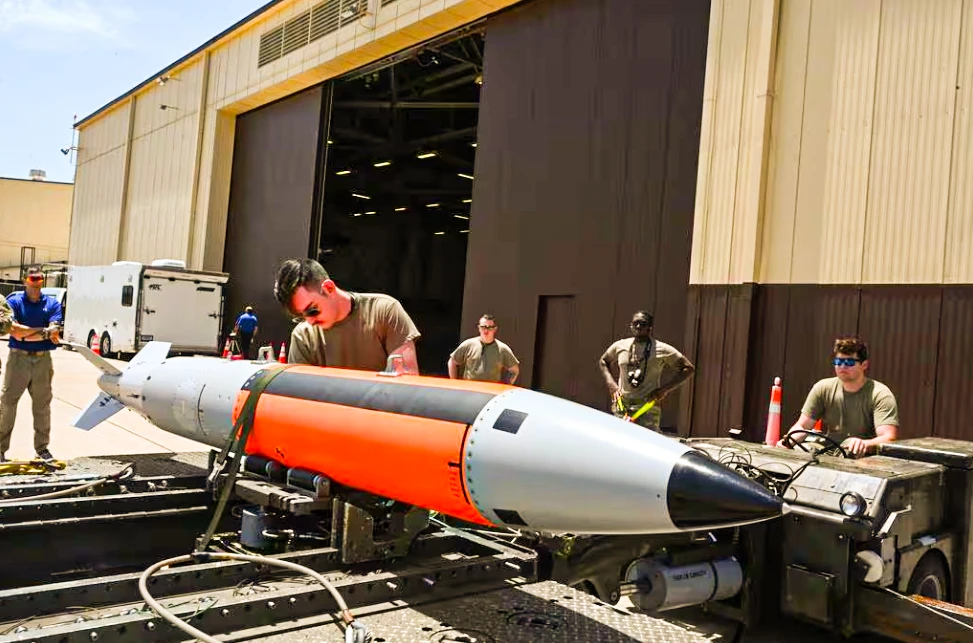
650,419
31,372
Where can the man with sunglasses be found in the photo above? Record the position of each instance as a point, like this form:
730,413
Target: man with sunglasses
640,360
340,328
484,358
35,332
856,411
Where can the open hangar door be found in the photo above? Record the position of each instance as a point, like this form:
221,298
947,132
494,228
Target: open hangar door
371,174
588,135
398,184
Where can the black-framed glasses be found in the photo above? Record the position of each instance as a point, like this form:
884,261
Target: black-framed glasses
845,361
640,323
487,327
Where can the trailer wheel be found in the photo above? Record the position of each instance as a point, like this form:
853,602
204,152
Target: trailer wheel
930,578
105,346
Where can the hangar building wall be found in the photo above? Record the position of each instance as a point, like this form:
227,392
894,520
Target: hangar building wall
154,165
834,198
34,214
586,166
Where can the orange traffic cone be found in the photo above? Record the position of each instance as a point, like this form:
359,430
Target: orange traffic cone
96,349
282,358
817,426
773,417
226,349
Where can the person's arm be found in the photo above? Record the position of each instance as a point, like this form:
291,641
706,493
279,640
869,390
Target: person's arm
300,350
453,368
400,335
813,409
512,373
684,370
804,422
410,361
511,365
6,317
604,364
886,419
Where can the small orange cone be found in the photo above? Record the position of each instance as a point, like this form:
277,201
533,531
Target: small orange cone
96,349
226,349
282,358
773,417
817,426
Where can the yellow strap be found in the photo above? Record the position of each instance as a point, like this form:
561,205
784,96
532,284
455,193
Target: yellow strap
30,467
645,407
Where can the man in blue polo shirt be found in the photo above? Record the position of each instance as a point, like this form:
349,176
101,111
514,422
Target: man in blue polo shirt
35,332
245,328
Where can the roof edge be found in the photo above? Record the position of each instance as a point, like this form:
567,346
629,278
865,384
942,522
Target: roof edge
42,181
195,52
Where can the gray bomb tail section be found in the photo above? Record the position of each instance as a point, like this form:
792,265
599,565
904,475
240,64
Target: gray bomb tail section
100,363
107,403
100,409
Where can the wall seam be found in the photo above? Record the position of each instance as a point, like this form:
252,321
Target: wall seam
126,178
871,148
964,8
740,143
800,145
197,165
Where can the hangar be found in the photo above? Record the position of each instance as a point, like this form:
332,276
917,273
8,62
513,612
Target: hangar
763,175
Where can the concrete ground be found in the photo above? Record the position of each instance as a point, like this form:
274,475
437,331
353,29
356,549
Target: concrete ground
75,385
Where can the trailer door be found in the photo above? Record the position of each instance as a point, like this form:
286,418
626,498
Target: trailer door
183,310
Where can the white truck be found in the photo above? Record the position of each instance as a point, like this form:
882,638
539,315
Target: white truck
121,307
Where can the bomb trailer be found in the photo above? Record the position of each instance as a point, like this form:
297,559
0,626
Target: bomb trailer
99,551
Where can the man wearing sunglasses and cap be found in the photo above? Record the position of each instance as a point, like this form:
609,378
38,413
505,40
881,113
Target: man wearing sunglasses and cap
340,328
35,332
640,360
856,411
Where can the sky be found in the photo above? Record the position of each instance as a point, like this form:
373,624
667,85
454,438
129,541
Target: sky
61,60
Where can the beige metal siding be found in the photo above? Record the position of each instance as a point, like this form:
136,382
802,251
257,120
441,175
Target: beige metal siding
722,114
217,189
905,231
99,178
160,192
868,171
35,214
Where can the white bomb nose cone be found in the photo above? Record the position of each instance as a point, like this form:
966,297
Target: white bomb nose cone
703,493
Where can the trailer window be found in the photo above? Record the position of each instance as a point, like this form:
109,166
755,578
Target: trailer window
127,293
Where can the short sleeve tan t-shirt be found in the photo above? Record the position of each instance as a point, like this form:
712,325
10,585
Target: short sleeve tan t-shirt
845,414
483,362
628,355
377,325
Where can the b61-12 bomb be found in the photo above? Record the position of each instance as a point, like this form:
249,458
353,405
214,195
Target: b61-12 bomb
490,454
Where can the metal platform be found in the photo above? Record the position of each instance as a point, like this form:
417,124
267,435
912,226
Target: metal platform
70,568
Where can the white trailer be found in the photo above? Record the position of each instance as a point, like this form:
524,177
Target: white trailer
124,306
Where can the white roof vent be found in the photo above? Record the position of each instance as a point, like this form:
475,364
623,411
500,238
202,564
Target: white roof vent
168,263
38,175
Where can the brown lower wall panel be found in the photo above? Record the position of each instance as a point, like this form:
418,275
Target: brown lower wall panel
918,336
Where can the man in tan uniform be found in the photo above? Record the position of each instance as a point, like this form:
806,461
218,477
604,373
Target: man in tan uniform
339,328
484,358
640,360
856,411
